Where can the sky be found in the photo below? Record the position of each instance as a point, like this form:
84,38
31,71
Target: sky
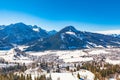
87,15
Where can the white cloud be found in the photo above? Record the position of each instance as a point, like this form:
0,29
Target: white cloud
109,32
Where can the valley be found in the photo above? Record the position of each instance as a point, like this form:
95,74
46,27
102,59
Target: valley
59,64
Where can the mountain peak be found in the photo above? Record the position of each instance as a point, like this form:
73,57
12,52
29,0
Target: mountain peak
20,33
69,28
19,23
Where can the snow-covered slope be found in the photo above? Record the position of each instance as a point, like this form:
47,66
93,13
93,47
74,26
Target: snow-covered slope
15,55
84,74
19,33
35,72
62,76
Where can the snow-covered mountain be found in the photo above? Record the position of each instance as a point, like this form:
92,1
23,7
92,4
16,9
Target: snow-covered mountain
70,38
42,33
19,33
39,39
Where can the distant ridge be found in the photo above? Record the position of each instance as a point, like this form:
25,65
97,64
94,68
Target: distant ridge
70,38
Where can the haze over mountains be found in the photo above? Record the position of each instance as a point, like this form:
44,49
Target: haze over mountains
39,39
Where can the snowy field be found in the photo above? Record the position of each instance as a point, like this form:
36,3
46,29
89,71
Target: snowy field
2,65
83,55
94,52
67,56
12,56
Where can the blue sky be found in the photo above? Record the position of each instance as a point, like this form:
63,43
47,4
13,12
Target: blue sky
88,15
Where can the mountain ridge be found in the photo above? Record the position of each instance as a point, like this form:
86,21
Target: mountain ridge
37,39
20,34
70,38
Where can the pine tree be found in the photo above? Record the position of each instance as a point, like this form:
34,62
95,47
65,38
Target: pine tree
78,75
42,77
67,68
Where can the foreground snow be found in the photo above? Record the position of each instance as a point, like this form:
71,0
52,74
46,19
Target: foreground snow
62,76
35,72
84,74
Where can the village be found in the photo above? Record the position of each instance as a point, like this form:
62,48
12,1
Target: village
87,64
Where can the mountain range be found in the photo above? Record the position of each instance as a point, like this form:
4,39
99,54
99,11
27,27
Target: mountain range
19,34
39,39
